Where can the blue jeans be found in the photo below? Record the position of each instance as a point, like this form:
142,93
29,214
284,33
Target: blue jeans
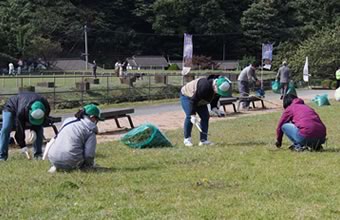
7,125
202,112
294,136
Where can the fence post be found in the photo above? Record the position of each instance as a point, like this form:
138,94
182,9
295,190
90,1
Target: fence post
82,88
107,88
149,86
54,80
3,80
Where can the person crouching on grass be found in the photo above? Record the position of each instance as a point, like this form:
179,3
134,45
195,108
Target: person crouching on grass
75,145
194,97
301,124
22,110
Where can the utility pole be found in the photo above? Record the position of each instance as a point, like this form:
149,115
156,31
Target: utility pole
86,51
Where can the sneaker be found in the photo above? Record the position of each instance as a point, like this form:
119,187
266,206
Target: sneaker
187,142
217,112
205,143
38,157
53,169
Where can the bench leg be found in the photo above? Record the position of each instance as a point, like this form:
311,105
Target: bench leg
263,104
117,122
253,104
234,108
130,121
224,109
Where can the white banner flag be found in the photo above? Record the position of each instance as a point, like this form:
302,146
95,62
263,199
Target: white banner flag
187,54
305,71
267,56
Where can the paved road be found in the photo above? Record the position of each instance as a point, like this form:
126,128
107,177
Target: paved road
306,94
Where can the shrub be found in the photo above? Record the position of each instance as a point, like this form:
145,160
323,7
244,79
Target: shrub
333,84
326,84
173,66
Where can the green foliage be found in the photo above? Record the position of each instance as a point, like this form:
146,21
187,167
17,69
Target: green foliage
323,51
246,60
173,67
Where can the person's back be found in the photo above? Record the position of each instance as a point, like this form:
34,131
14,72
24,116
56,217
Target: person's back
284,74
74,144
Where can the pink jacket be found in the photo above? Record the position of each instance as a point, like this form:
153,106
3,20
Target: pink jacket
305,118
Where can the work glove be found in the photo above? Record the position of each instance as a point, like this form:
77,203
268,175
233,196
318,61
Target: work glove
25,151
194,119
278,144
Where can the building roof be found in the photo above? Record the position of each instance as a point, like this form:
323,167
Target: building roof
227,64
71,64
148,61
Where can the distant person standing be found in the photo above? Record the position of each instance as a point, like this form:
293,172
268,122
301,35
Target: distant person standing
247,74
284,75
11,69
337,76
124,68
20,64
94,69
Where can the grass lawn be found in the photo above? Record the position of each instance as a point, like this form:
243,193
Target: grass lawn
244,176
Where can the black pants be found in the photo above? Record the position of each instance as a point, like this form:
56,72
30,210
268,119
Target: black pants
337,83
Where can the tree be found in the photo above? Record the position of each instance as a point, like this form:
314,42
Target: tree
323,51
45,49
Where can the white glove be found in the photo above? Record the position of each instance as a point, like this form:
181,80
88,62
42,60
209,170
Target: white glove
25,151
194,119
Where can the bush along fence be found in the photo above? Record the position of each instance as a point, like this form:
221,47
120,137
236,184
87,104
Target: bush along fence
73,90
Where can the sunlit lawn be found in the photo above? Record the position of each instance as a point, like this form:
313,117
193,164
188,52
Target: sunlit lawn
243,176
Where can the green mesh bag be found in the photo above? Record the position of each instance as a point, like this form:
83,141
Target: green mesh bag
321,100
145,136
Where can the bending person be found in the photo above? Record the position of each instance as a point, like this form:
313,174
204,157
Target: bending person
301,124
194,97
75,145
246,76
25,109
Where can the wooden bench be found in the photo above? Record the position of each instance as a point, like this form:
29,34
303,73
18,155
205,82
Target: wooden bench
118,113
228,101
251,99
50,123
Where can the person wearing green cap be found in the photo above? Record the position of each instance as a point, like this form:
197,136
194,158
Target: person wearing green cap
194,98
75,145
22,109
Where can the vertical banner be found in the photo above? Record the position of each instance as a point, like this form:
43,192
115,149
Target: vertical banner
267,56
187,54
305,71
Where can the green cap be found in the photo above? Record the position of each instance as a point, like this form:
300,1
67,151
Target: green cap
223,85
37,113
93,110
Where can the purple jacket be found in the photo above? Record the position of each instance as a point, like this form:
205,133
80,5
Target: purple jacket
305,118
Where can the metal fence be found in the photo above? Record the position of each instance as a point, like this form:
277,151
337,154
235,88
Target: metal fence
71,90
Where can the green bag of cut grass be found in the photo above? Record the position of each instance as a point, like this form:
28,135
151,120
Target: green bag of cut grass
291,89
145,136
321,100
276,87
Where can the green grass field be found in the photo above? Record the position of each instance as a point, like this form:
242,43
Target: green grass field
244,176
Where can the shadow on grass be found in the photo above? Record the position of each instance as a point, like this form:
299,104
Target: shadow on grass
122,169
335,150
121,131
249,144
